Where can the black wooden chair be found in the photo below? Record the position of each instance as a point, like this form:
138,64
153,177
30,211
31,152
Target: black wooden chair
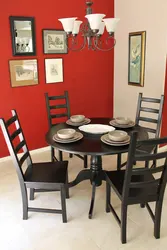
139,185
152,125
57,107
39,177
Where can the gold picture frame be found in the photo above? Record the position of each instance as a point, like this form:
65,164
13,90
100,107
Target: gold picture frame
136,64
23,72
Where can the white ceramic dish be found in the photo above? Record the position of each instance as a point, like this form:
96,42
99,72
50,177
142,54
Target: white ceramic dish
77,118
115,124
76,124
78,136
96,128
122,120
107,141
117,135
66,133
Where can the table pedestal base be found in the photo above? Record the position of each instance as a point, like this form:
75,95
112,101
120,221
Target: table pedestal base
95,174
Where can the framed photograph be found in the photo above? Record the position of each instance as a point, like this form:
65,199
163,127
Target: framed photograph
23,72
54,41
136,65
22,36
54,70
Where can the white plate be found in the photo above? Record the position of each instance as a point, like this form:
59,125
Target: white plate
78,136
96,128
76,124
115,124
107,141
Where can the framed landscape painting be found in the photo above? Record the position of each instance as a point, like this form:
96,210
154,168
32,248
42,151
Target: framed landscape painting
23,72
54,41
54,70
136,65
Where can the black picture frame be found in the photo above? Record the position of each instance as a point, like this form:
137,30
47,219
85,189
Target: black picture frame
22,50
54,32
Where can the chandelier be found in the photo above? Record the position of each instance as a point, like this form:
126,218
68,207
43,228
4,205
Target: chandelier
91,31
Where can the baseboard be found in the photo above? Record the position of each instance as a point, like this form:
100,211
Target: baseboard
32,152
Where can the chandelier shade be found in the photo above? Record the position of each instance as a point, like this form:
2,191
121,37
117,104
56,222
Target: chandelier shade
92,31
68,23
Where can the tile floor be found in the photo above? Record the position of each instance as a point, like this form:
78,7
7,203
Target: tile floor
47,232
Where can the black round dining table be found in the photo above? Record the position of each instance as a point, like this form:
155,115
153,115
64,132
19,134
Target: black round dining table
91,145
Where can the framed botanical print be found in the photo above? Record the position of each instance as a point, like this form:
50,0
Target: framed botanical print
54,41
136,65
54,70
23,72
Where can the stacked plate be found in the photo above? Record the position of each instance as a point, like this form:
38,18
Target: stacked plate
67,136
122,122
78,120
116,138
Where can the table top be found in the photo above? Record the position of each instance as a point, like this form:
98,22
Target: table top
91,144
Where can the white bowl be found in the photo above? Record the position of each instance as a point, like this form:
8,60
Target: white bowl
122,120
77,118
66,133
117,135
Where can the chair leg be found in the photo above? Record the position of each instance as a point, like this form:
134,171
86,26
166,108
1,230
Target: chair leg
52,154
63,204
67,188
71,155
142,205
118,161
24,201
108,197
157,223
32,194
146,164
85,161
123,223
60,155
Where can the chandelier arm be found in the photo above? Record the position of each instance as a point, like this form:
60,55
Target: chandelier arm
95,42
73,49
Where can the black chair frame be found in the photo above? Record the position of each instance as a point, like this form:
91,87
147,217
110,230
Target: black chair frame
51,116
139,118
35,186
138,185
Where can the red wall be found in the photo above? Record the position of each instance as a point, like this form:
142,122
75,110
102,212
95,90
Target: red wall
164,118
88,75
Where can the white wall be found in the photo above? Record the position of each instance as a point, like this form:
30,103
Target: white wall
140,15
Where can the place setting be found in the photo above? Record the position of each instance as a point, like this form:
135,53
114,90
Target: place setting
78,120
67,136
116,138
122,122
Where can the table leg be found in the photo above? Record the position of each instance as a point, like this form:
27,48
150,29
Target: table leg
97,176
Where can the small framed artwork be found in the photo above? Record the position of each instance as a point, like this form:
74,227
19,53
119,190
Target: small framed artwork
54,70
54,41
136,65
23,72
22,35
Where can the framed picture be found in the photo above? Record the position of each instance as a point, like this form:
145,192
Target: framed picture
22,36
136,67
54,41
54,70
23,72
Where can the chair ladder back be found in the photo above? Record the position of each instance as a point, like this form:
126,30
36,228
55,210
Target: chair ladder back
135,177
158,111
58,106
15,149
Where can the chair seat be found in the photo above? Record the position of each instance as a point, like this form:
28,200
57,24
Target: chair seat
50,172
116,179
